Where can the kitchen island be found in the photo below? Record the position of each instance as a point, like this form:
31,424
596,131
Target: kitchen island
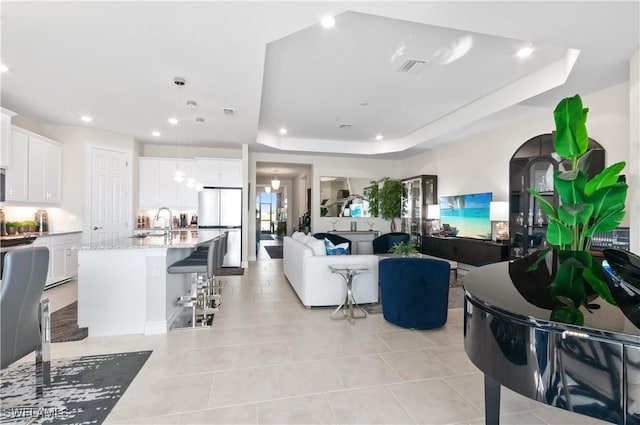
124,287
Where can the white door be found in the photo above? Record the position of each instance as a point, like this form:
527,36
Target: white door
109,195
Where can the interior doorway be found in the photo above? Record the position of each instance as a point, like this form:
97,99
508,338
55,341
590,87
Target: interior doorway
266,212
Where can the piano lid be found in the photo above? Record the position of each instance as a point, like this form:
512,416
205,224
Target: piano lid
508,287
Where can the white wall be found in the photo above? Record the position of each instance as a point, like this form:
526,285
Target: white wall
481,163
174,151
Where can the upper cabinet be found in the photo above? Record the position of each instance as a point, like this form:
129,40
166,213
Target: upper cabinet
158,187
33,176
45,158
219,172
17,178
5,136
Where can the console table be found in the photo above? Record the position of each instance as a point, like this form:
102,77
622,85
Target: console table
475,252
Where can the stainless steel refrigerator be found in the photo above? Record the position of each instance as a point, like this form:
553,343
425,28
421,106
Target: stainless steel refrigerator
221,209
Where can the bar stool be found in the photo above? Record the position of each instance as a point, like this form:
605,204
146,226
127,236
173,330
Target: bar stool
201,299
202,252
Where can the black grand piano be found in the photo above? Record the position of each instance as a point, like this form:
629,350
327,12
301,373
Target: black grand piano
591,369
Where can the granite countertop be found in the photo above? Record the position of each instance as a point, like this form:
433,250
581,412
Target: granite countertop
67,232
181,239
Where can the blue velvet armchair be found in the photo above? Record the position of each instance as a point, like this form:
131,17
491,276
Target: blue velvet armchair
383,243
414,292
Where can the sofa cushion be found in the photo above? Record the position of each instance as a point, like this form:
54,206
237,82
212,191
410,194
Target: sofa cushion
297,235
317,246
340,249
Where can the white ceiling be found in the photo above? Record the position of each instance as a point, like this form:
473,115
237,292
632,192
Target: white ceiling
277,66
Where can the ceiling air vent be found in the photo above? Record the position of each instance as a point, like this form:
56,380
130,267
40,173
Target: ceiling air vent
413,66
229,112
344,125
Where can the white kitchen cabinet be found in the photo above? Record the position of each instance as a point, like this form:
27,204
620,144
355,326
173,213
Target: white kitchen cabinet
219,172
158,187
5,137
34,174
187,197
45,241
63,255
17,175
148,183
45,157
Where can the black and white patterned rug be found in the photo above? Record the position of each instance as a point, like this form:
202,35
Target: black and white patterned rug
83,390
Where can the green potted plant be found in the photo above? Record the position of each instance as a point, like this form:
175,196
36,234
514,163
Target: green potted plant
373,195
29,226
587,205
405,249
390,200
12,227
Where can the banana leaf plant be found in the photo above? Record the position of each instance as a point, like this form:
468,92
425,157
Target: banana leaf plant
587,205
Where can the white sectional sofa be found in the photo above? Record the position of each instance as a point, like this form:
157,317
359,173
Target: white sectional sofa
306,267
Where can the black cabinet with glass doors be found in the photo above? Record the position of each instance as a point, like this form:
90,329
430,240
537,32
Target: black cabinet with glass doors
417,193
533,166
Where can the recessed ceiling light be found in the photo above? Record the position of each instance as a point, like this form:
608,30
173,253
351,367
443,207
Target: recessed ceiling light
524,52
3,67
155,133
364,103
173,121
283,130
86,118
328,21
379,137
200,120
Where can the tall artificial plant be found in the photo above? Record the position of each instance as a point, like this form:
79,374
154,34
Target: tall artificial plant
374,197
390,200
587,205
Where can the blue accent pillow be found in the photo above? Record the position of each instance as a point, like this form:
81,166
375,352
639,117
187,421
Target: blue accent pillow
340,249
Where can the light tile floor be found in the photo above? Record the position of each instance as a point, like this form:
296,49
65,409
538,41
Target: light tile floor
269,360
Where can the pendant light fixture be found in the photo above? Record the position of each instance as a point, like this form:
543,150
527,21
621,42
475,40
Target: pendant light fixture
178,175
275,183
267,189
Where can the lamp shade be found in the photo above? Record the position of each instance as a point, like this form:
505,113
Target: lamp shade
267,189
499,211
433,212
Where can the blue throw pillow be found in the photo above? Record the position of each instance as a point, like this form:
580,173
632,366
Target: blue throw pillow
340,249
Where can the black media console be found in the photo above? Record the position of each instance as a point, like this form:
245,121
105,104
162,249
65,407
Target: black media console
475,252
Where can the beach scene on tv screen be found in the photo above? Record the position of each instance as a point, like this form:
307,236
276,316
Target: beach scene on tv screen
469,214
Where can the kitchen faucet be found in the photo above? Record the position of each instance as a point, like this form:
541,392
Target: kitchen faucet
168,223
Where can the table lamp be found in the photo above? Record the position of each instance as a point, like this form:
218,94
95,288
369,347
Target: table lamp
433,214
499,212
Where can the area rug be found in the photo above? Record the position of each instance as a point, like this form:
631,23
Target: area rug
64,324
83,390
266,237
230,271
274,251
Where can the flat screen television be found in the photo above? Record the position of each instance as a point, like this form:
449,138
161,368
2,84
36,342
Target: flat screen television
469,214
